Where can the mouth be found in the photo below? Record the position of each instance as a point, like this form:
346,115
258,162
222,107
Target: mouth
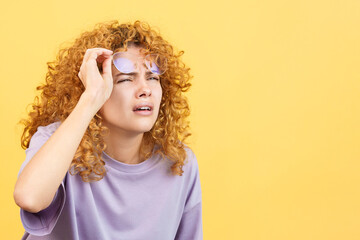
143,107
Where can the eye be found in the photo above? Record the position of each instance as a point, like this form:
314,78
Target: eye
124,80
154,78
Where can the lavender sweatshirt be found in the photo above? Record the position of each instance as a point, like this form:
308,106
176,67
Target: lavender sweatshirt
140,201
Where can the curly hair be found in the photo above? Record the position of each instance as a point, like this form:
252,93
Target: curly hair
63,88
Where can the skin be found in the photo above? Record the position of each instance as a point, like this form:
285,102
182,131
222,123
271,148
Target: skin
41,177
126,127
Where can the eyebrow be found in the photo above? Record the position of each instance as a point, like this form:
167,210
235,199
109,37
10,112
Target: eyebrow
134,73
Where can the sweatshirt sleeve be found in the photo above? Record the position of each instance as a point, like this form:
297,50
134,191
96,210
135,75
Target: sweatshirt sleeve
43,222
191,221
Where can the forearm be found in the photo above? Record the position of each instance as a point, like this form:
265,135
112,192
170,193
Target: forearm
41,177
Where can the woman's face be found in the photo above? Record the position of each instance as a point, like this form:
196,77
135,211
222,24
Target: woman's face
134,103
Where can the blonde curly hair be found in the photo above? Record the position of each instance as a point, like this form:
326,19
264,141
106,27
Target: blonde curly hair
63,88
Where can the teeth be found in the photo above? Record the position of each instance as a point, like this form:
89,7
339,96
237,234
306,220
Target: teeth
144,108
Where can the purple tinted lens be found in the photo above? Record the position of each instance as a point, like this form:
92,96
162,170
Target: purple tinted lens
124,65
152,67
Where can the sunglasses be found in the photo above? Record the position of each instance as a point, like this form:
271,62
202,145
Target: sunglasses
126,62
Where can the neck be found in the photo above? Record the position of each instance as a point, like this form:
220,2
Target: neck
123,146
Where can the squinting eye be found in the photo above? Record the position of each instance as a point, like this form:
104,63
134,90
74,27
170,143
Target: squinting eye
124,80
155,78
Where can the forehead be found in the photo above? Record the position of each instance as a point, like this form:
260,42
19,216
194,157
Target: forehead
133,53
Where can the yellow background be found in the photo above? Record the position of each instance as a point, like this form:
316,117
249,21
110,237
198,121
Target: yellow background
275,105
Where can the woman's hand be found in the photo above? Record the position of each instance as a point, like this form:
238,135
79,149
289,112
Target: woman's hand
98,86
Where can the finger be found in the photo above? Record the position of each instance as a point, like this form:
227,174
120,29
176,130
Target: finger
91,57
95,58
93,53
106,66
102,57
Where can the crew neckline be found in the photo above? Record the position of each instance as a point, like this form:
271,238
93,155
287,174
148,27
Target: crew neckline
131,168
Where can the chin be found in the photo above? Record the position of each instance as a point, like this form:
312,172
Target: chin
143,128
144,125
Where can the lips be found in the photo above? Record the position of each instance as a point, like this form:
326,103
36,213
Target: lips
143,107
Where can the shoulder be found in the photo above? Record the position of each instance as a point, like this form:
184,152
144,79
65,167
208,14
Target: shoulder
47,130
191,165
42,134
190,155
39,138
191,181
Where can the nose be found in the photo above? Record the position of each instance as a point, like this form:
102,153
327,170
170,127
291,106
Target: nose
143,90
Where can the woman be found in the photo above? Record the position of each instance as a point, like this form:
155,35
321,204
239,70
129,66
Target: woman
105,153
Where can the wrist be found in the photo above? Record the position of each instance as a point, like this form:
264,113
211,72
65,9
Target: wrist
89,103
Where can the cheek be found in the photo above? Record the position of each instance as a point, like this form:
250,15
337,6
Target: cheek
117,102
157,93
120,96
